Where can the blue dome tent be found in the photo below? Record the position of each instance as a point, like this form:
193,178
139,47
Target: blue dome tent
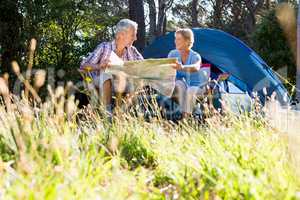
248,72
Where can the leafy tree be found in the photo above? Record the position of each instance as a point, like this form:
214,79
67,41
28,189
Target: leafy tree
158,17
271,44
65,30
191,13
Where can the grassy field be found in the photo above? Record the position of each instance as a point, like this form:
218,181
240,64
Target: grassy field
47,153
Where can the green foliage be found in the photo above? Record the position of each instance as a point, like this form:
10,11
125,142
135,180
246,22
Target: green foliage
136,152
161,180
65,30
271,44
6,153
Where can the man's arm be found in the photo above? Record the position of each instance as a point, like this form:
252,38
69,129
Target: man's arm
92,62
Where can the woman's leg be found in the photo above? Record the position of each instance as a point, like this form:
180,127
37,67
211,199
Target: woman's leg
191,97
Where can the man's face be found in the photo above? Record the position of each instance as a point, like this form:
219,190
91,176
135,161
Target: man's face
130,36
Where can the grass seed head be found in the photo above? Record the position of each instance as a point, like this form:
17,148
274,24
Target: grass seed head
60,91
15,67
32,44
39,78
6,77
3,87
71,106
27,113
286,17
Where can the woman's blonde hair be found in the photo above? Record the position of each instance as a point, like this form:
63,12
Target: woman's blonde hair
187,34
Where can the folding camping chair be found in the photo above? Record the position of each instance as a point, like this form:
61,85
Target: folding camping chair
204,75
208,87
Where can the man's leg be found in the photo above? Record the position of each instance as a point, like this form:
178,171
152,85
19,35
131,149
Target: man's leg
104,82
120,87
107,95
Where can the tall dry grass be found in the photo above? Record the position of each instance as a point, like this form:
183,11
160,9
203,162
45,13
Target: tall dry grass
53,150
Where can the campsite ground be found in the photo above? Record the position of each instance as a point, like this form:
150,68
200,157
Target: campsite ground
47,155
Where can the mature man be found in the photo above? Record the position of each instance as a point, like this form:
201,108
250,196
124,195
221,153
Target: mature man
126,31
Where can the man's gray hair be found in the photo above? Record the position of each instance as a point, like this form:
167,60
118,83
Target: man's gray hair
125,24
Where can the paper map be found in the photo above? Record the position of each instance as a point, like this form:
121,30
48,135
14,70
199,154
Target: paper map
157,73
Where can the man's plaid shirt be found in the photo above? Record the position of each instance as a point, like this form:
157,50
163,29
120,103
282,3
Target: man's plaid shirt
102,53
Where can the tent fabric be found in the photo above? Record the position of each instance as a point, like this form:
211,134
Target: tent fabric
248,71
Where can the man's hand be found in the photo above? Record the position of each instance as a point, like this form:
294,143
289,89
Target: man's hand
177,66
104,65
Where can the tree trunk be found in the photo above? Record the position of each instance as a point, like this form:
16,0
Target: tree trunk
152,18
217,16
298,55
10,33
165,26
161,17
136,13
253,9
268,4
158,20
195,12
163,6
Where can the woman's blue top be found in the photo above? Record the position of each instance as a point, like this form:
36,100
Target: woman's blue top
190,78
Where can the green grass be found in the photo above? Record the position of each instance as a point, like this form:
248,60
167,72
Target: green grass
46,156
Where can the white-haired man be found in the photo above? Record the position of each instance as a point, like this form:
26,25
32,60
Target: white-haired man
126,31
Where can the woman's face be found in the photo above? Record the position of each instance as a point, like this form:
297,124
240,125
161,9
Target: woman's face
180,42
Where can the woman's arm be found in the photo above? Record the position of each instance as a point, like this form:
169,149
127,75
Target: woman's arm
196,63
192,68
188,68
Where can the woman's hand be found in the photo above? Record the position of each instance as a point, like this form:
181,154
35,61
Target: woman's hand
177,66
192,68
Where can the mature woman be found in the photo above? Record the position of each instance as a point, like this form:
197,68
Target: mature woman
188,64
